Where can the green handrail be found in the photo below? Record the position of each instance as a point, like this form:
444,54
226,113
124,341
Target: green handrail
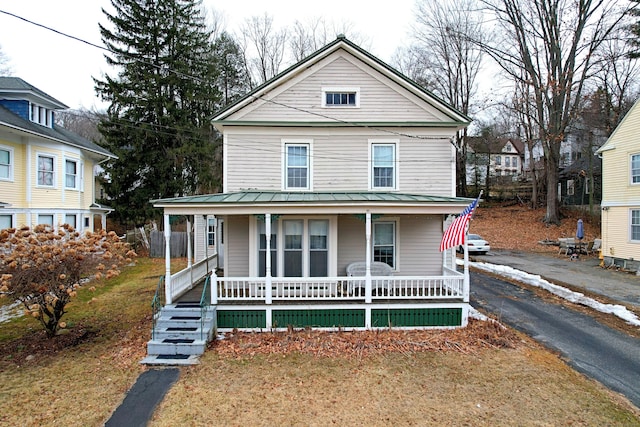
156,305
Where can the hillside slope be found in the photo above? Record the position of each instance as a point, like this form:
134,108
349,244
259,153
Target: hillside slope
521,228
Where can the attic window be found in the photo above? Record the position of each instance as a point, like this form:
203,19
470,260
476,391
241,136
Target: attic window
41,115
340,97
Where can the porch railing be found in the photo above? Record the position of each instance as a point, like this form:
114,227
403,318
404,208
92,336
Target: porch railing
184,280
448,286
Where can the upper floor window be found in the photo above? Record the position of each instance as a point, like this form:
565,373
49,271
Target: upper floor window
41,115
514,162
340,97
383,165
45,171
6,163
635,225
498,160
297,169
635,169
507,162
71,177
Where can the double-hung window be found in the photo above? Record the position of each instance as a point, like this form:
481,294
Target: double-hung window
262,250
6,164
45,171
71,219
635,169
383,166
71,176
6,221
635,225
297,166
211,232
384,242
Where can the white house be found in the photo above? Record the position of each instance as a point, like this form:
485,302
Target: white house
339,175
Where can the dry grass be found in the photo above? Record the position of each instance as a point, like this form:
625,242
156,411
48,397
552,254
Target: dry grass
487,387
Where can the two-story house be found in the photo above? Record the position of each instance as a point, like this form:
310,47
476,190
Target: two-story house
620,221
496,158
339,177
46,171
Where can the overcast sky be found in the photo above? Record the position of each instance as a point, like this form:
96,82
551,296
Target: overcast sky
63,68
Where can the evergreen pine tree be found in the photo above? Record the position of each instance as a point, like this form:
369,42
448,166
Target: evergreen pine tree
161,103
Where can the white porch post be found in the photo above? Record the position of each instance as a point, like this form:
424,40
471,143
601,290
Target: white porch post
267,284
189,251
167,261
465,280
214,287
367,275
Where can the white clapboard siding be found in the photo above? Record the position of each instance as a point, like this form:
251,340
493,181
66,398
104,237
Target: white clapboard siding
237,246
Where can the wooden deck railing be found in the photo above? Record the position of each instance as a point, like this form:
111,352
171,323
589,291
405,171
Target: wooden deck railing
239,289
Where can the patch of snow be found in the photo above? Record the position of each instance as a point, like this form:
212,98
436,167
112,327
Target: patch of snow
576,297
10,311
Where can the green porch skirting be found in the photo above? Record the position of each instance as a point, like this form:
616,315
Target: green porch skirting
339,318
416,317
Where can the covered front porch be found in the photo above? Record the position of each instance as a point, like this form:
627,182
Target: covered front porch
308,279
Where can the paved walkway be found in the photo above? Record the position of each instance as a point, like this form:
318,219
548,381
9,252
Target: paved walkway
584,273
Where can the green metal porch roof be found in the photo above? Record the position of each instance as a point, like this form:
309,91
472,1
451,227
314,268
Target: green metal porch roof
315,197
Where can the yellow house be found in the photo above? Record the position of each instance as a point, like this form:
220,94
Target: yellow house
46,172
621,193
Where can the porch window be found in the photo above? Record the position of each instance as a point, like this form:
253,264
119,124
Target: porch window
45,171
383,160
635,225
571,188
262,251
211,232
293,248
384,242
318,249
635,169
297,166
6,221
45,220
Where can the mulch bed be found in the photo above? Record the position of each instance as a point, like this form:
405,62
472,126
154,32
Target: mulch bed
476,336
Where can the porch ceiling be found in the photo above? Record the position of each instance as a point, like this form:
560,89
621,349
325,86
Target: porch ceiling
283,202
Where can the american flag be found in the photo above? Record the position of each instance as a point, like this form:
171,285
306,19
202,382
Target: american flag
457,231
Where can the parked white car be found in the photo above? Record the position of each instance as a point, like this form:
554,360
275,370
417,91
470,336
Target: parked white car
476,244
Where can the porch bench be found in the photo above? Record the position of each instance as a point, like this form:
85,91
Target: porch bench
377,269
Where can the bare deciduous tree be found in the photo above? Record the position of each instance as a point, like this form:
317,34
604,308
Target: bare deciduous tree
268,43
447,59
5,64
550,46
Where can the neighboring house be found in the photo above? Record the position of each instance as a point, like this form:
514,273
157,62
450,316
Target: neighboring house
574,186
46,171
339,176
621,193
502,157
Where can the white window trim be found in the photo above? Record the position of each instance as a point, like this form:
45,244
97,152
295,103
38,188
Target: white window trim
396,237
78,175
630,169
12,219
12,162
53,219
631,240
396,162
297,142
55,167
341,89
214,232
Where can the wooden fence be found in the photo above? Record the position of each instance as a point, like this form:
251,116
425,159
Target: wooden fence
178,243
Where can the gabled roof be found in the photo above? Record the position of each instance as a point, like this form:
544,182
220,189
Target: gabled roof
261,92
632,114
57,134
494,146
16,88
